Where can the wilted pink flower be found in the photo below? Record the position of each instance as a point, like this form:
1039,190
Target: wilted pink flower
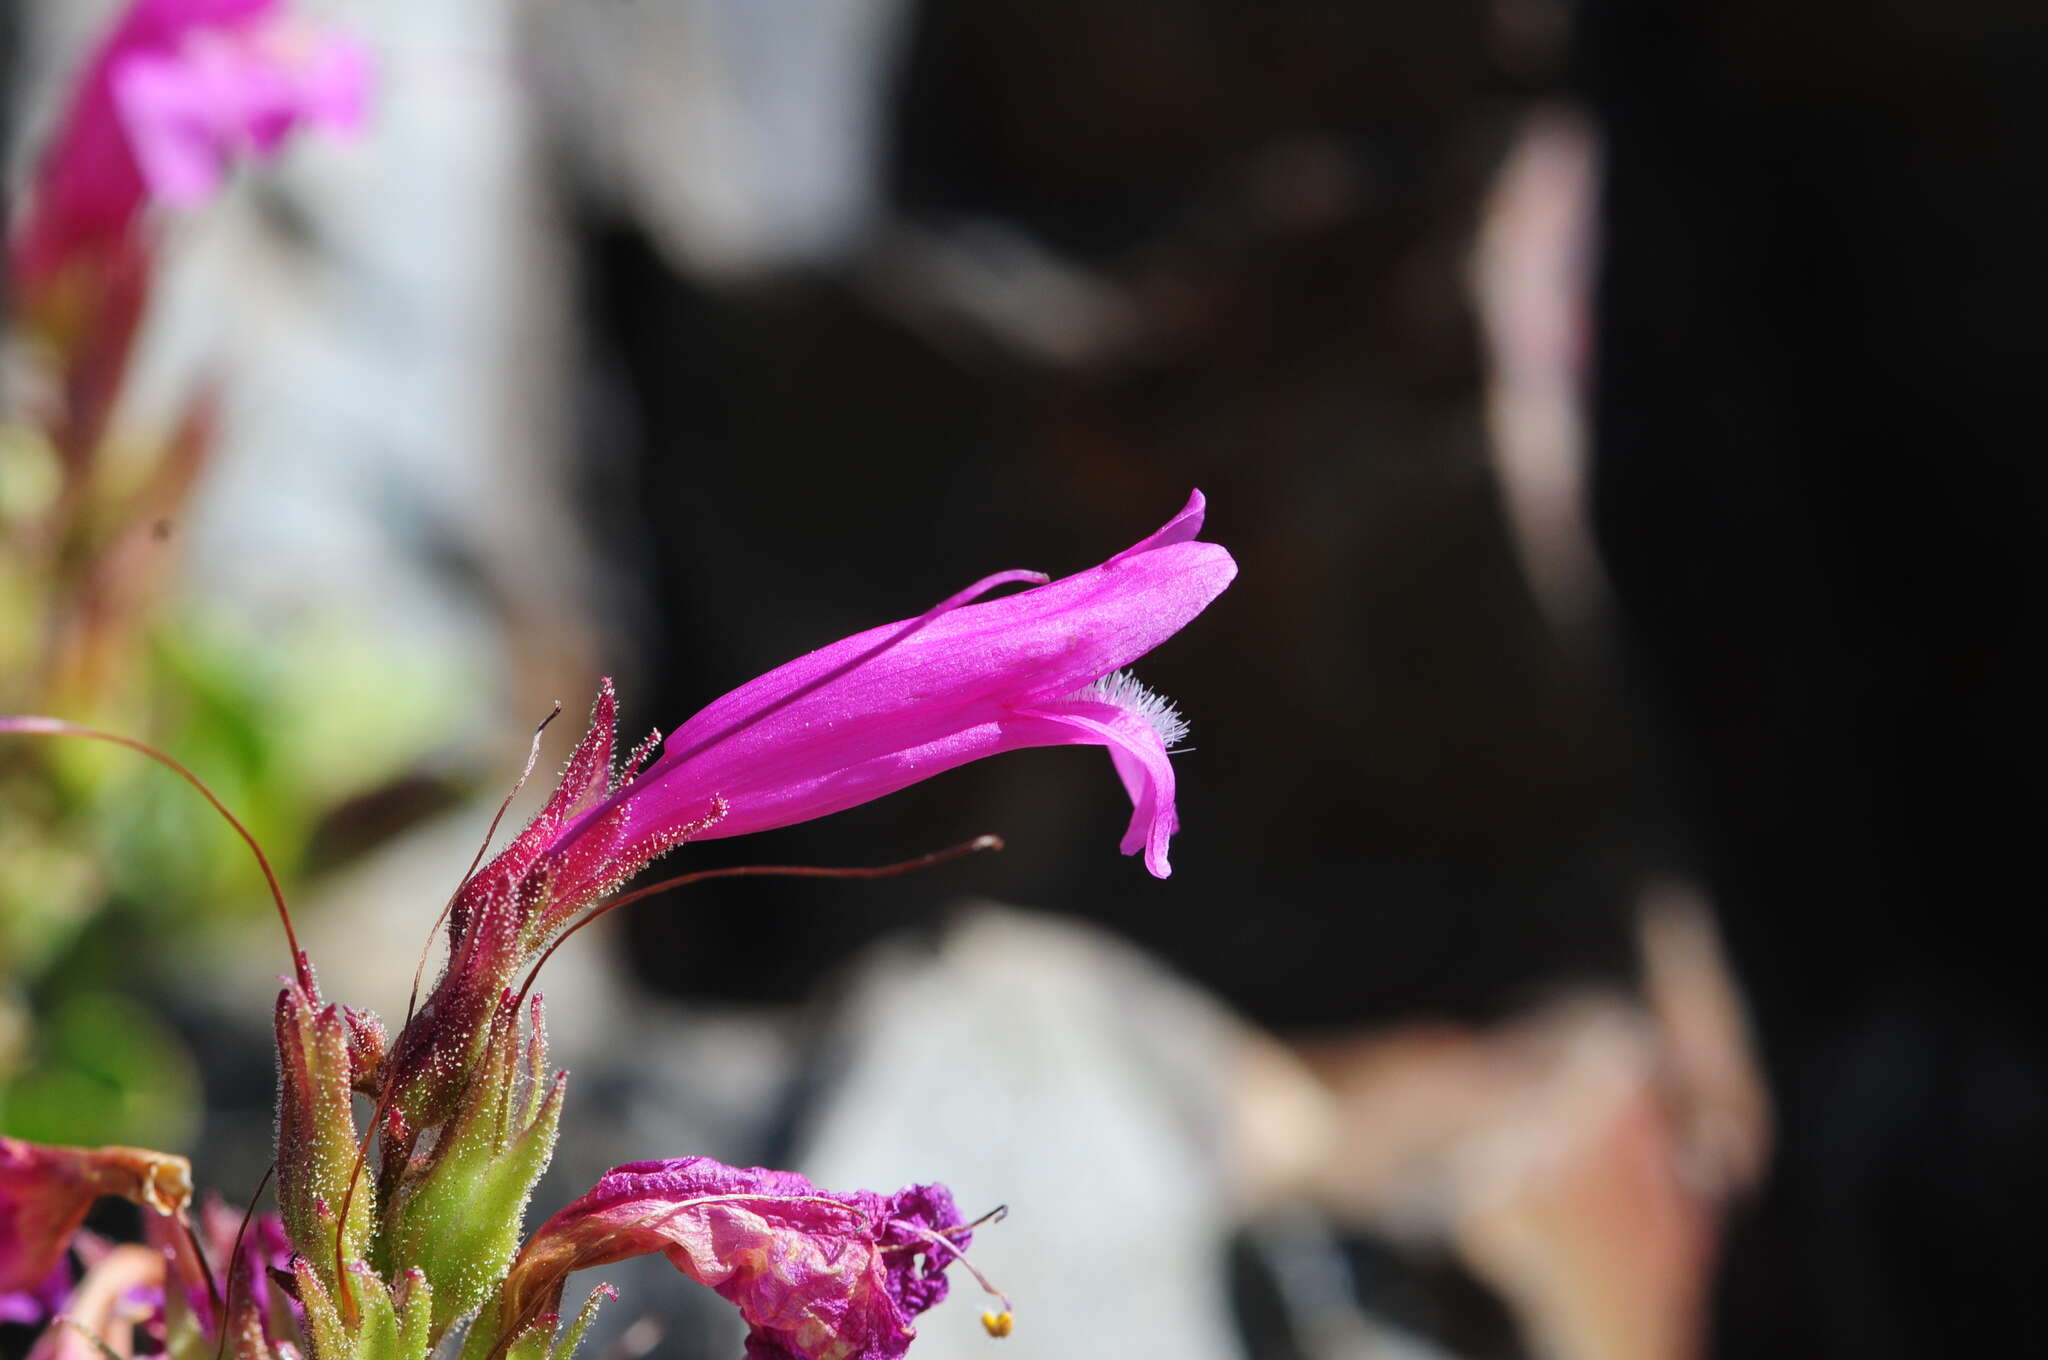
45,1192
176,91
886,708
817,1274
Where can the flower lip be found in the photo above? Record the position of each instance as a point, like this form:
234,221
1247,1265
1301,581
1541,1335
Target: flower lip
1182,528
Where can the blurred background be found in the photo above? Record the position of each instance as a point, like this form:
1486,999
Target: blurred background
1605,920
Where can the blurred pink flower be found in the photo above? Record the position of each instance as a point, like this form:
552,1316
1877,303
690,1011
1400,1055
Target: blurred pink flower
176,91
854,721
46,1190
36,1303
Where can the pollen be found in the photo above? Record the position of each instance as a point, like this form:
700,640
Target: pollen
998,1324
1126,691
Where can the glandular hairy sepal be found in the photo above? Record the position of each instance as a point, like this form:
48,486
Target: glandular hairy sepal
415,1314
456,1215
324,1329
376,1328
566,1343
316,1134
538,1338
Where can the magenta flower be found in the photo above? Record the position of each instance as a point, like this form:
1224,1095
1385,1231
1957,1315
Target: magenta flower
817,1274
234,91
178,90
886,708
851,722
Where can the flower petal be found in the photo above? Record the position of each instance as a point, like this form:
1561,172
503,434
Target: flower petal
41,1300
116,1296
1182,528
805,738
173,126
1138,752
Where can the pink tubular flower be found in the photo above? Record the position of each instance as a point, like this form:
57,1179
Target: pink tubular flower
886,708
851,722
176,91
817,1274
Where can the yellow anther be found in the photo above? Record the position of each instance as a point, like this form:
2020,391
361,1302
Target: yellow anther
998,1324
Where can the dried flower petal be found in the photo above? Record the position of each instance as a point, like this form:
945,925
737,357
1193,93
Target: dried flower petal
45,1192
817,1274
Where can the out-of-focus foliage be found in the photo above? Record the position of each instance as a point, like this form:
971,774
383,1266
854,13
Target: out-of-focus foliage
103,877
106,883
105,1066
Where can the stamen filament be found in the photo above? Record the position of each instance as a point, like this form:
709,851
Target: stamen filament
995,1215
205,1266
961,1257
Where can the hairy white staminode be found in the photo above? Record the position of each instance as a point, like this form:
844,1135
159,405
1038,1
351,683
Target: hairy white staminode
1124,690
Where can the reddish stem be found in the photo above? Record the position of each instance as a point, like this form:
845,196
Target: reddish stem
936,857
32,725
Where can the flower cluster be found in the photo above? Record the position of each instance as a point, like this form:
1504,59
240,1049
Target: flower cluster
402,1237
387,1257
